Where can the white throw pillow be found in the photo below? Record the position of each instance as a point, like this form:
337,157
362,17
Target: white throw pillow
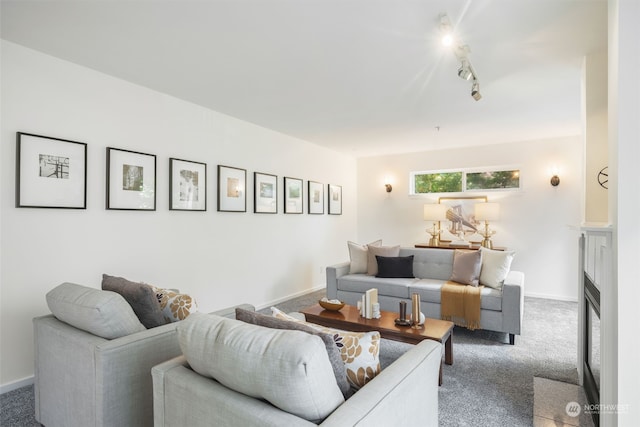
358,256
495,267
290,369
360,351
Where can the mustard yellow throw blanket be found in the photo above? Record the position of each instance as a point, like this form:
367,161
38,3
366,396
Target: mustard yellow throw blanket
460,304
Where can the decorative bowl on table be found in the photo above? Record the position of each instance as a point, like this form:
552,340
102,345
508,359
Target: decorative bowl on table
331,305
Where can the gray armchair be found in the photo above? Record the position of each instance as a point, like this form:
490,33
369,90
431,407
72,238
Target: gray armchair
83,379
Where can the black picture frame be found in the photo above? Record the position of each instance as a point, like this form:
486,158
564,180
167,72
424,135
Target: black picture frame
315,198
131,180
334,199
187,185
265,193
232,184
293,195
50,172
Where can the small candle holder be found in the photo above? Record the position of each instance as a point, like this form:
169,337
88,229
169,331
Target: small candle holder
415,311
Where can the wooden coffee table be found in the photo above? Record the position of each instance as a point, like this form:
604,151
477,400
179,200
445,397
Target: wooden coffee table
348,318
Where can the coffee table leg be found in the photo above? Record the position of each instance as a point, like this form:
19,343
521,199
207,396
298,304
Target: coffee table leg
448,350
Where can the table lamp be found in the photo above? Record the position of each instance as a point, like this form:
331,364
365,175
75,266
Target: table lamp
487,212
435,212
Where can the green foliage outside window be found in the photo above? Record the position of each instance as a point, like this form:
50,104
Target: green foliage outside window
449,182
493,180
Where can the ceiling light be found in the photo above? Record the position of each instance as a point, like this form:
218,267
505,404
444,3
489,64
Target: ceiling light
447,40
475,90
465,70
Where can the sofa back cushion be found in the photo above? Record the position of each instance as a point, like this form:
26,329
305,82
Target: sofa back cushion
102,313
430,263
290,369
332,349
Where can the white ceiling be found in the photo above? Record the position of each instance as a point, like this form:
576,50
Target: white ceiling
365,77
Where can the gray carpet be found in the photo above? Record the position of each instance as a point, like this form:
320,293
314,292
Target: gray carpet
489,384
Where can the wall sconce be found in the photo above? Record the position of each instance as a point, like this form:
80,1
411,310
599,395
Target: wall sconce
435,212
487,212
388,187
555,180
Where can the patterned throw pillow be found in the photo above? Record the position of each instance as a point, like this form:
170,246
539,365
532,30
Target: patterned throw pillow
175,306
360,351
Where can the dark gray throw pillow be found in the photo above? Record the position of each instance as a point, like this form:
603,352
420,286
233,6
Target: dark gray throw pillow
395,267
333,351
140,297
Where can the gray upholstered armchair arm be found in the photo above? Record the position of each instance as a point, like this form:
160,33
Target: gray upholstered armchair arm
333,273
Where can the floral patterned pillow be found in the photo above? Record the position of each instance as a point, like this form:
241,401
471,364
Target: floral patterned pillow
360,351
175,306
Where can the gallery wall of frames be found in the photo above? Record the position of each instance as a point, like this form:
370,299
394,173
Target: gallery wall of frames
52,173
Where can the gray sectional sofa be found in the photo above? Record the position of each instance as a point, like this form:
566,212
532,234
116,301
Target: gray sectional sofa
501,309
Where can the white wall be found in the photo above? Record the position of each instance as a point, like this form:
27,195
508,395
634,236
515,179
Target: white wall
538,222
219,258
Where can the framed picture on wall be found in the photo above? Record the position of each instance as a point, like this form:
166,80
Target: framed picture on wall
232,184
315,196
131,180
292,195
335,199
187,185
50,172
460,213
265,193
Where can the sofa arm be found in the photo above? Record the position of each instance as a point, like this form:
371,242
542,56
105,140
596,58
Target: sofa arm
182,397
513,302
333,273
404,393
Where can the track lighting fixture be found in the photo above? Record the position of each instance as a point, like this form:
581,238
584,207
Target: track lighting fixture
475,90
465,70
461,51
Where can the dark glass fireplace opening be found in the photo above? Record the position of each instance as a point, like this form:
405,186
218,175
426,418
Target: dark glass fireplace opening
591,376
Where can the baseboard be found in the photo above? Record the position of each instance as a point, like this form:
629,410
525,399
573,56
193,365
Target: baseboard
547,296
288,297
5,388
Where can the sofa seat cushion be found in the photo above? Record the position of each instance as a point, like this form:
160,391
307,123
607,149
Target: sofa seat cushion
102,313
429,290
290,369
393,287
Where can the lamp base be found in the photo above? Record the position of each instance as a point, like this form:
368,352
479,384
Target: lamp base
487,243
434,241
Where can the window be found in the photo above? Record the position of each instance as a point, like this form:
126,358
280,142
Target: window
441,182
460,181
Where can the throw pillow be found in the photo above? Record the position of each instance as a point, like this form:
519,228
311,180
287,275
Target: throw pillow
289,369
372,263
466,267
175,306
102,313
390,267
140,297
358,256
332,350
360,351
495,267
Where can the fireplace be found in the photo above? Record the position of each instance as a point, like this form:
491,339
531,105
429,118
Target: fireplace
591,351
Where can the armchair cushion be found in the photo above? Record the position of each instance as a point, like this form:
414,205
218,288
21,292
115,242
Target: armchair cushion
102,313
289,369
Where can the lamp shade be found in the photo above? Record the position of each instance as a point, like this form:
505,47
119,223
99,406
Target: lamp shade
435,212
487,211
